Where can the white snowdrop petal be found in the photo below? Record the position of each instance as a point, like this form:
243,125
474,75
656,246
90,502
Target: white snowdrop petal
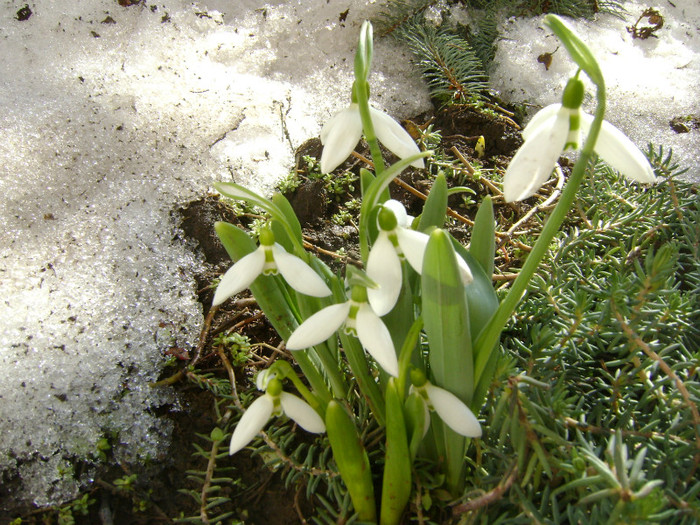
394,137
453,411
413,244
399,211
619,152
301,412
464,270
384,268
298,274
319,327
251,423
339,137
539,119
375,338
240,276
534,161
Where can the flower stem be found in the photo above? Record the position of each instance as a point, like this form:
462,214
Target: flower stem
361,88
489,337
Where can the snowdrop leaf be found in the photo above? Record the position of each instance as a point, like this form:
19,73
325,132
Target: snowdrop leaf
376,339
301,412
352,461
289,219
435,205
417,421
251,423
453,412
239,276
319,326
446,315
483,242
298,274
384,268
396,483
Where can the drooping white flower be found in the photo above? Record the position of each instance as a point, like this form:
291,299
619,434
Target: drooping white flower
556,128
448,406
270,258
274,402
394,243
343,131
358,319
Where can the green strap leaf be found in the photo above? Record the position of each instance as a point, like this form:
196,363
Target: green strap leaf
435,208
446,316
483,242
396,485
352,460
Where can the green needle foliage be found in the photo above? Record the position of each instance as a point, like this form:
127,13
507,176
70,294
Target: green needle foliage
598,417
447,62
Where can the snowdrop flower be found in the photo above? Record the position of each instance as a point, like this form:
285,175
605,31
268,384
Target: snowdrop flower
359,320
274,402
270,259
448,406
396,242
558,127
343,131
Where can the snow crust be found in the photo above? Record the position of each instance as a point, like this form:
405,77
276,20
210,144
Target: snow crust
111,118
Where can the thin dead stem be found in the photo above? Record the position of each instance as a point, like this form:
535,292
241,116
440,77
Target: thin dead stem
491,496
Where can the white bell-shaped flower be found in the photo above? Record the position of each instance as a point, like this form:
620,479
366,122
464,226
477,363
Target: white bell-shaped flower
343,131
558,127
448,406
270,258
274,402
358,319
394,243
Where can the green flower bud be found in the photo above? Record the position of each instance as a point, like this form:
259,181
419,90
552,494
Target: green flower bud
267,238
573,93
274,387
386,219
418,378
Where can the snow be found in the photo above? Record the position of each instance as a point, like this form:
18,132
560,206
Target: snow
112,118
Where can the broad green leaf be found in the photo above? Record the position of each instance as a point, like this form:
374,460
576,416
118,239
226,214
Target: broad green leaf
483,242
396,484
352,460
445,313
292,222
435,206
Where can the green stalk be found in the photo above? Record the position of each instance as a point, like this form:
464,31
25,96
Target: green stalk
489,337
361,89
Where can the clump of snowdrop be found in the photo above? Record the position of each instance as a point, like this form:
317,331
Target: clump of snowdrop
423,308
